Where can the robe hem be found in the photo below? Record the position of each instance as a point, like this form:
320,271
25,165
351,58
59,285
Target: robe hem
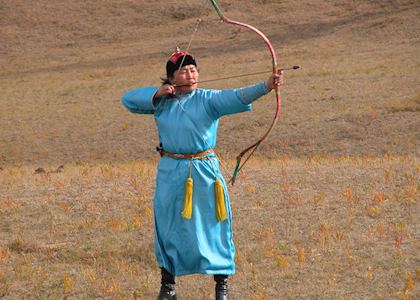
205,272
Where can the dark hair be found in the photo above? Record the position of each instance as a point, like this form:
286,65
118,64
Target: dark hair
185,60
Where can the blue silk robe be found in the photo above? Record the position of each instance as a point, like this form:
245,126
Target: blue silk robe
188,124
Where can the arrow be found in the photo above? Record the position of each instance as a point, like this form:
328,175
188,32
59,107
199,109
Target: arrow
236,76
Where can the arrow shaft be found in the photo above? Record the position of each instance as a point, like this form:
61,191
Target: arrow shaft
237,76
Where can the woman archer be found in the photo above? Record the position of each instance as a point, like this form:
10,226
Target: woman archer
193,220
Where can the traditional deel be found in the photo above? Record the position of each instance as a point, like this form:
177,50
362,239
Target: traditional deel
193,219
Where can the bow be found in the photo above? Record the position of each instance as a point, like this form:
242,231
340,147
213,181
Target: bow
275,70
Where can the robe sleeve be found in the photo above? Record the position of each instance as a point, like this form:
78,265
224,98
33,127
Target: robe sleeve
226,102
140,100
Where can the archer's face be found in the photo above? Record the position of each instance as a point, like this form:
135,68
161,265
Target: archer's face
186,78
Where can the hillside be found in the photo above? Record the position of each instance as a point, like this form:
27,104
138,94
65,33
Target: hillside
65,66
328,207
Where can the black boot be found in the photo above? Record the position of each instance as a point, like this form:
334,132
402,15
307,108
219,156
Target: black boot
167,288
221,287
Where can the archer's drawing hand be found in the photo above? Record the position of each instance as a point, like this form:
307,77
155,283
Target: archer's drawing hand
165,90
275,80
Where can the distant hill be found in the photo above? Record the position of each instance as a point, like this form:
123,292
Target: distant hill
66,64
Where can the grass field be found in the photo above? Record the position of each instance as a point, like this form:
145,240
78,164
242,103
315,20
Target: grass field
327,209
310,228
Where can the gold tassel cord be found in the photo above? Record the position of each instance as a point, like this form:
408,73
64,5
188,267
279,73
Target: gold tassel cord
188,196
187,212
221,213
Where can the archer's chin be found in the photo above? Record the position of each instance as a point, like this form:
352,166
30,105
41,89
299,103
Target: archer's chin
190,88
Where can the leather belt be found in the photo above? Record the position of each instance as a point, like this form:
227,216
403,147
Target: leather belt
185,156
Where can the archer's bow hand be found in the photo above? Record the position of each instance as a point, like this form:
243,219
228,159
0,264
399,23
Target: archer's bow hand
275,80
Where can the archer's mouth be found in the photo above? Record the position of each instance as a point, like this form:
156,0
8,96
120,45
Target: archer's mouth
187,84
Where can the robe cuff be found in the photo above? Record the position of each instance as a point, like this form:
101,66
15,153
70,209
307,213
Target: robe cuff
140,100
251,93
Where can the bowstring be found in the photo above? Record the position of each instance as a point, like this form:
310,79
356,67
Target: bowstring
190,41
222,163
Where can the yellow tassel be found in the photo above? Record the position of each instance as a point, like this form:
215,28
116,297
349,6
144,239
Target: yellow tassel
187,212
221,213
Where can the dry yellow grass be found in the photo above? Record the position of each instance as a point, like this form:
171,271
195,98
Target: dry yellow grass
327,210
87,231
